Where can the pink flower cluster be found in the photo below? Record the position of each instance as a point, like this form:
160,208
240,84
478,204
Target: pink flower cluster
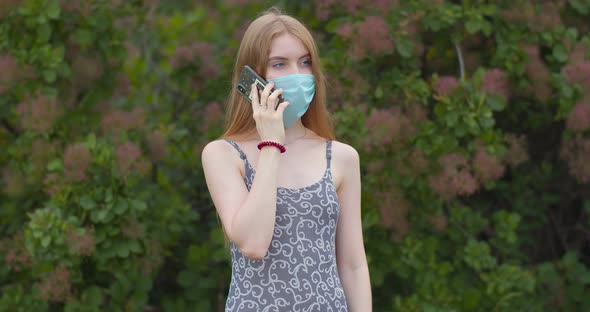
56,285
411,164
487,167
387,126
325,8
213,117
39,114
496,82
77,159
546,18
575,152
371,36
578,51
579,73
117,121
13,180
439,222
81,244
129,160
87,69
7,5
579,118
200,53
393,209
76,6
538,73
455,179
16,255
445,85
516,150
8,71
51,183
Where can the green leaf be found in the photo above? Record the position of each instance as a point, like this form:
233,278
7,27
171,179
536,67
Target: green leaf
84,37
473,25
43,34
496,102
379,92
122,250
49,76
471,299
120,207
87,202
93,296
91,141
53,10
133,245
404,47
102,215
138,205
108,195
186,278
46,241
581,6
55,165
560,53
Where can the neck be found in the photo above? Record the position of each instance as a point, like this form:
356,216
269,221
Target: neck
295,132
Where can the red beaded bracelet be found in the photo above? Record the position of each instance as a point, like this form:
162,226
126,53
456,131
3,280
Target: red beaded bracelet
281,147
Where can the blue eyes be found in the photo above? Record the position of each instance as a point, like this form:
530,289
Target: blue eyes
281,64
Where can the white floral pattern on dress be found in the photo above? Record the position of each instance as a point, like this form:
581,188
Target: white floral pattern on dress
299,272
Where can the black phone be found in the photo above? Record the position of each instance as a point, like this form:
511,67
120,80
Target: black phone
248,77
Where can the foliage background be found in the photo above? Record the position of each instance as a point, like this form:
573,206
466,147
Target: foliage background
472,119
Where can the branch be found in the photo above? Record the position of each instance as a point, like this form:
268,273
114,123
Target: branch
9,127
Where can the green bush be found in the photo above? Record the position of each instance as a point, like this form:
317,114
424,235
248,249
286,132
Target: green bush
472,120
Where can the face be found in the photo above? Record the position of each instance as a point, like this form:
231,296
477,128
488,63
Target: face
287,56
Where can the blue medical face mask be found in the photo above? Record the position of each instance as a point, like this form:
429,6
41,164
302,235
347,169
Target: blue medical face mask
298,90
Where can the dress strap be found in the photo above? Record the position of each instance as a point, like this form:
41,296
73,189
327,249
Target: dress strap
239,149
328,153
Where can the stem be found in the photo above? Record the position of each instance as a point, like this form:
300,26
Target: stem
461,62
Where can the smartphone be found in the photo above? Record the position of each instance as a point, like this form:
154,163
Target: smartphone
248,77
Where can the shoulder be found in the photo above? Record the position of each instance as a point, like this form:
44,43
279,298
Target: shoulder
345,153
217,150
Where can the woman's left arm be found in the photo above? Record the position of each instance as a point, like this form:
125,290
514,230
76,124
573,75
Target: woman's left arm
350,250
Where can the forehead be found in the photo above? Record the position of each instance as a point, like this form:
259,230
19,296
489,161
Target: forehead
287,45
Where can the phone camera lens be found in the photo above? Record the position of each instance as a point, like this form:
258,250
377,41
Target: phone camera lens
241,88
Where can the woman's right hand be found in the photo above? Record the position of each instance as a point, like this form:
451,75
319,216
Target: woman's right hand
269,122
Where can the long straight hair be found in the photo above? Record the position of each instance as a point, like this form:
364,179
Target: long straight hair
254,51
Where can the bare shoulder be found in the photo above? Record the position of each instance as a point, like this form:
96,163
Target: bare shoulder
217,150
346,166
344,153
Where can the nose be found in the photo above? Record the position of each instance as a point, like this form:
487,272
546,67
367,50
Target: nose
295,70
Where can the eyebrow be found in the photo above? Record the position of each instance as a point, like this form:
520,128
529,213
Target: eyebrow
284,58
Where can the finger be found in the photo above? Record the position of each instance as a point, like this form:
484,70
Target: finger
254,98
281,108
273,99
265,94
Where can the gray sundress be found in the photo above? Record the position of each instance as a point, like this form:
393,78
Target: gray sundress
299,271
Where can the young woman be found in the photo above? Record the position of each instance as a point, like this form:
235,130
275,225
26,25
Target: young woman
287,194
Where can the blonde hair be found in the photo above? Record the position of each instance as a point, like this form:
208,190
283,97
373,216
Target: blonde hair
254,51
